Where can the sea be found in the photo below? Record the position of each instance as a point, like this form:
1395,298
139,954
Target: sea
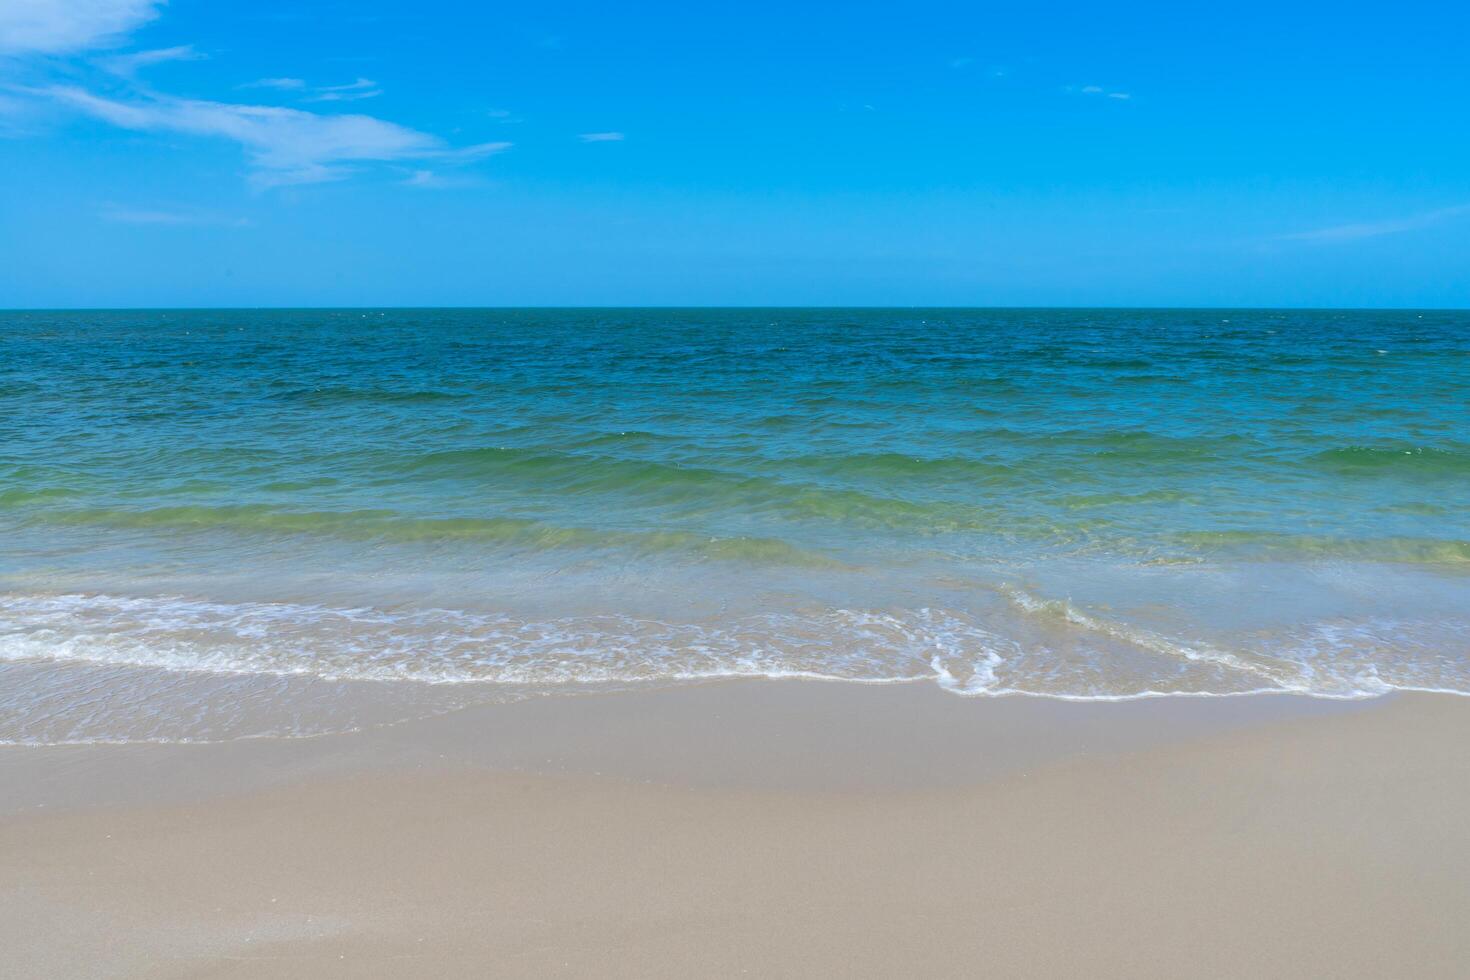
223,524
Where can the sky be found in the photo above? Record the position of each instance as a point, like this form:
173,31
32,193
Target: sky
435,153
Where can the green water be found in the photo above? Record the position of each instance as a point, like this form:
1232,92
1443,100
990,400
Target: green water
304,512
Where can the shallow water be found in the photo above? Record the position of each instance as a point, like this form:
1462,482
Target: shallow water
219,524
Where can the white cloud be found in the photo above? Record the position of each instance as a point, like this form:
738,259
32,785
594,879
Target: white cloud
1099,90
1374,229
435,181
476,151
602,137
284,84
60,26
286,146
363,88
283,145
127,65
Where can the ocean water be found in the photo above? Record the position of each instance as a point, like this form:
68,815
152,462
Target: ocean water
224,524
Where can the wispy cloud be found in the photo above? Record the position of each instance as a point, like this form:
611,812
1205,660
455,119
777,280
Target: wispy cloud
144,216
363,88
61,26
128,65
285,146
1098,90
433,180
281,84
601,137
476,151
1373,229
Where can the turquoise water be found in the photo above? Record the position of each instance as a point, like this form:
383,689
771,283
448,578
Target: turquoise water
226,523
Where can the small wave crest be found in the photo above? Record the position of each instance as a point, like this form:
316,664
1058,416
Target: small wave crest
1409,460
390,526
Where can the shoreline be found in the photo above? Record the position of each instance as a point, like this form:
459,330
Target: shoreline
783,732
765,827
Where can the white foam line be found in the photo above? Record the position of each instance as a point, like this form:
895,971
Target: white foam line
23,648
1151,641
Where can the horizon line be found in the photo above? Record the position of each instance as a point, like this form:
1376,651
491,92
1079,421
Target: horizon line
734,306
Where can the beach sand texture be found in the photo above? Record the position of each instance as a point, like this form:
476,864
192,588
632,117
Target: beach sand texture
777,829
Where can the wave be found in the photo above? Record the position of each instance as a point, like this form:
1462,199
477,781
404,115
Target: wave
23,496
1093,501
332,394
899,467
1273,545
1279,673
1409,460
88,667
754,479
1042,652
391,526
1107,524
677,489
1141,445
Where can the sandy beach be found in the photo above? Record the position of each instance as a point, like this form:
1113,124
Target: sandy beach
760,829
677,492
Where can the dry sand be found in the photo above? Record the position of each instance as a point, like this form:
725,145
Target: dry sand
768,829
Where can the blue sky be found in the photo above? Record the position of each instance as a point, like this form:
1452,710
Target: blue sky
435,153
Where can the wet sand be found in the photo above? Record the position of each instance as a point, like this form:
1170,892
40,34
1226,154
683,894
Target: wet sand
760,829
